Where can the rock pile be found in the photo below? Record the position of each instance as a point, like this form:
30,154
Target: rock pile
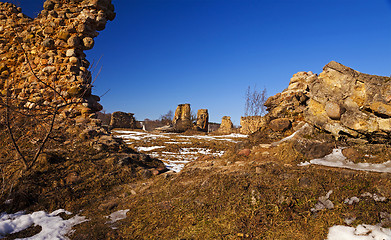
339,100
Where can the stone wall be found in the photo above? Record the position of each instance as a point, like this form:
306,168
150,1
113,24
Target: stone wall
123,120
339,100
251,124
45,84
43,59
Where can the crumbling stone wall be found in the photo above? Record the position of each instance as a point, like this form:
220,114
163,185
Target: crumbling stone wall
339,100
123,120
226,125
251,124
202,120
48,53
182,118
45,84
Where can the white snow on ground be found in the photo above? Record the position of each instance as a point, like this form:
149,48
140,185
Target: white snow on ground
178,142
203,151
118,215
351,200
175,161
337,159
290,136
361,232
216,137
147,149
137,135
53,226
176,166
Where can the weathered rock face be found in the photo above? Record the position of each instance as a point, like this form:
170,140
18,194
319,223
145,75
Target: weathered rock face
226,125
202,120
340,100
44,56
251,124
182,121
123,120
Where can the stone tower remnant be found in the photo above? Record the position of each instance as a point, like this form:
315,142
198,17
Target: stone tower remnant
226,125
182,118
202,120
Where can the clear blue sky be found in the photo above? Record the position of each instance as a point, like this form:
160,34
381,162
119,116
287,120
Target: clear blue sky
160,53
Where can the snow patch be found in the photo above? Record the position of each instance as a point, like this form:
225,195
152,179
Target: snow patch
337,159
290,136
116,216
53,226
352,200
361,232
375,197
147,149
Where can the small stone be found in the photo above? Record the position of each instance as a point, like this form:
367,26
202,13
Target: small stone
70,53
385,124
49,69
75,91
48,30
333,110
49,43
280,124
73,60
48,5
88,43
154,171
63,35
244,152
73,41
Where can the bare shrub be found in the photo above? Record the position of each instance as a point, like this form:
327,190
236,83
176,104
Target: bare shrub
32,114
167,118
255,100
